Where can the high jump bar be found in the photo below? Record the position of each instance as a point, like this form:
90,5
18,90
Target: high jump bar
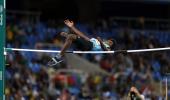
91,52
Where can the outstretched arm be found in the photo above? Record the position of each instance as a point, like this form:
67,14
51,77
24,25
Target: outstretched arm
70,24
102,45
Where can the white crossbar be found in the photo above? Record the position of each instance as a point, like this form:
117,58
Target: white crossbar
92,52
55,51
147,50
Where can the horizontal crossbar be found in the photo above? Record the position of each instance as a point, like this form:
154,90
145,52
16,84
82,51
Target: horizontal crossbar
92,52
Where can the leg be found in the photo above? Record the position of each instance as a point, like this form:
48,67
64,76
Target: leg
64,34
58,58
68,42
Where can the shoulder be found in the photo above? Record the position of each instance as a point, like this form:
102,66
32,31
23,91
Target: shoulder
93,39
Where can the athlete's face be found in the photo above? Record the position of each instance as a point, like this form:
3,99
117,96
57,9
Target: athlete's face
110,42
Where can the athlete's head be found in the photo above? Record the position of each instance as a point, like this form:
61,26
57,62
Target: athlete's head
111,42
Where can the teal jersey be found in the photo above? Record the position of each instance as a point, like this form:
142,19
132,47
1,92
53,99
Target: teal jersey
97,46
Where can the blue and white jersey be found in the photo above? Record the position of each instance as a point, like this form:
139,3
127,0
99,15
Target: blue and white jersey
97,46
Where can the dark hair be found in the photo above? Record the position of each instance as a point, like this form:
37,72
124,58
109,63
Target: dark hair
114,43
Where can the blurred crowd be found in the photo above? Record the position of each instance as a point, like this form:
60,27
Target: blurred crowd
28,77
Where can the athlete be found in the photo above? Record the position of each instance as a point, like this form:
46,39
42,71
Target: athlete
81,41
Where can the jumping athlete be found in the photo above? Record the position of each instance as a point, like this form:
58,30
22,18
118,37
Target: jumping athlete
81,41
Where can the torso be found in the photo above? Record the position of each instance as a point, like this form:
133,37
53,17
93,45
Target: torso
96,45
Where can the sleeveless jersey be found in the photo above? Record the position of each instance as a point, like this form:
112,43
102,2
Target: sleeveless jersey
97,46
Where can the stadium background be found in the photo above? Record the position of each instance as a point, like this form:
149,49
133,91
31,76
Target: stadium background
134,24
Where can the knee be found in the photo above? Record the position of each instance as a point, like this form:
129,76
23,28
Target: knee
71,37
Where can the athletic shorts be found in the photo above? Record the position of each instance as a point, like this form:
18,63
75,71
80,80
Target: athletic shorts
83,45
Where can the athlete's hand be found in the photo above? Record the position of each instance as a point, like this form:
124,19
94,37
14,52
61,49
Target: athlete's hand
69,23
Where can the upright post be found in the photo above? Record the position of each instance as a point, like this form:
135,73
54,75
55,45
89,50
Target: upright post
2,44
